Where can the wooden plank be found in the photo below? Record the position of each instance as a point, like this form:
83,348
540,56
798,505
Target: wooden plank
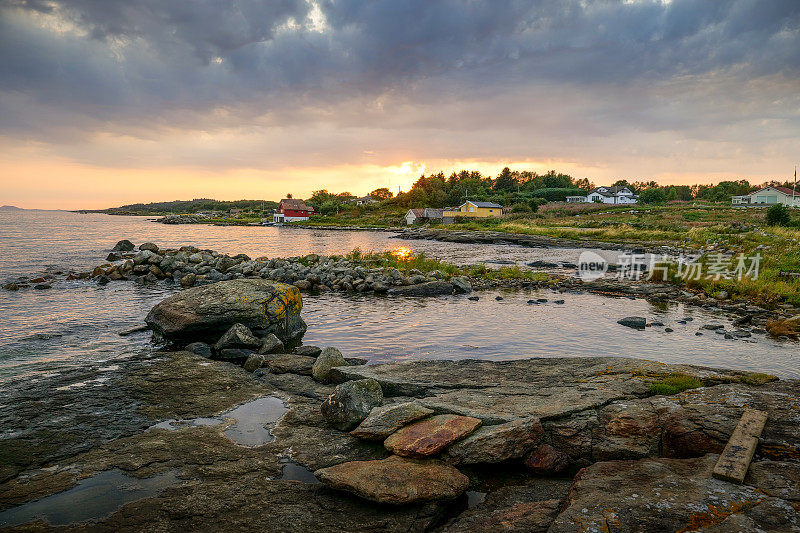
735,459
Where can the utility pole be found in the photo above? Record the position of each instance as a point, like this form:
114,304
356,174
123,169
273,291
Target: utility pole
794,187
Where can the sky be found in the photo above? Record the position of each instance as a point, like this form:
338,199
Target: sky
110,102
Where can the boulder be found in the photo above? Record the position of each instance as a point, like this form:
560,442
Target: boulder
188,280
547,460
396,480
238,336
123,246
199,348
289,363
271,344
461,285
383,421
206,312
351,402
149,246
234,354
254,362
311,351
431,288
328,359
498,443
430,436
635,322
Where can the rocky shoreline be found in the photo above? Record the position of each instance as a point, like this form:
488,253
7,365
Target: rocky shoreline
190,266
571,444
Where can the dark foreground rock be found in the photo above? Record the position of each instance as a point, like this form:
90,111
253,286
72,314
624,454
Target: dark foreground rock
670,495
396,480
594,413
351,403
206,312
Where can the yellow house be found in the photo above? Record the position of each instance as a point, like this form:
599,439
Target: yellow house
473,210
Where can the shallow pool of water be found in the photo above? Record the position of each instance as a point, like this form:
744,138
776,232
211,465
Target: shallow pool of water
92,498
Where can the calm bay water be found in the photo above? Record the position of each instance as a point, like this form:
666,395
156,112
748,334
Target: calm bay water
76,323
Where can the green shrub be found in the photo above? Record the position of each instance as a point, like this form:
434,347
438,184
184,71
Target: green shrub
522,208
534,203
653,196
778,215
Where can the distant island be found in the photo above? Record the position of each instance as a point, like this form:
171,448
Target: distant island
10,208
198,205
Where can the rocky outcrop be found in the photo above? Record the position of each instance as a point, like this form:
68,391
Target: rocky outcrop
431,435
498,443
396,480
206,312
238,336
383,421
623,496
123,246
351,403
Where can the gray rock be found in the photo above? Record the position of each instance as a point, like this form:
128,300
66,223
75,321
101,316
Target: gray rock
271,344
498,443
329,358
206,312
383,421
199,348
461,285
289,363
254,362
123,246
234,354
635,322
238,336
188,280
351,402
149,246
310,351
431,288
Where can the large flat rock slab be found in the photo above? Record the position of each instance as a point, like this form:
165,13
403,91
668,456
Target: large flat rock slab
669,495
396,480
430,436
502,391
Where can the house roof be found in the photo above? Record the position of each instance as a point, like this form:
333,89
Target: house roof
417,212
294,204
609,191
432,212
484,204
785,190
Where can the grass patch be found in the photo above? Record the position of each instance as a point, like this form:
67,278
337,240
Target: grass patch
675,383
756,379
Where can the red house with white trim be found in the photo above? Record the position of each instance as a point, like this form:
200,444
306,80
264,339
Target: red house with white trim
291,210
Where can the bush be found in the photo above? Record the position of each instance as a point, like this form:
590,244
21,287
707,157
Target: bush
778,215
653,196
522,208
534,203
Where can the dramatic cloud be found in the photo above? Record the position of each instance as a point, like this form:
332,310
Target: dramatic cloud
680,87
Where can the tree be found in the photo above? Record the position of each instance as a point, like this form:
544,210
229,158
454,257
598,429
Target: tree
381,194
653,196
778,215
289,195
506,181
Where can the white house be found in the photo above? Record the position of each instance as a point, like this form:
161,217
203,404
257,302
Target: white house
606,195
770,195
612,195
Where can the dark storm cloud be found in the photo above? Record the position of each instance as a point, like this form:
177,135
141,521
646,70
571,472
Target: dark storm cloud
129,60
